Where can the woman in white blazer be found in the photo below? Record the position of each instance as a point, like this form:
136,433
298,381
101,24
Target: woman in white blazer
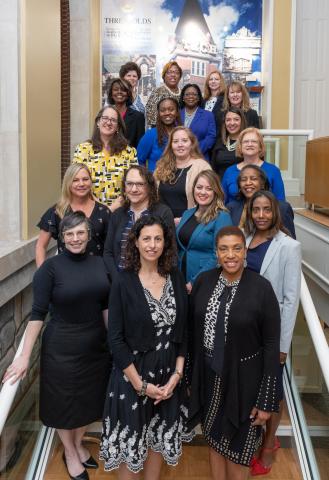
277,257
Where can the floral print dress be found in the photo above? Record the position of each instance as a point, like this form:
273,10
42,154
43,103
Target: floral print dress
133,424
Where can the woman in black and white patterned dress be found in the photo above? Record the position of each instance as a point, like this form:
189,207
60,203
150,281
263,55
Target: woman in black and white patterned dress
235,326
145,413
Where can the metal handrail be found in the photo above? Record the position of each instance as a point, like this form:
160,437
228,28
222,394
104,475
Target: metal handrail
287,132
8,391
314,326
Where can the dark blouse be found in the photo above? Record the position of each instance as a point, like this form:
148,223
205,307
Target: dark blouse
99,220
255,256
75,285
222,158
185,235
249,373
174,195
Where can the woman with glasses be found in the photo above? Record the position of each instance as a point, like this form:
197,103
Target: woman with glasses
250,148
153,143
201,122
171,75
76,196
74,361
120,95
107,156
277,257
141,198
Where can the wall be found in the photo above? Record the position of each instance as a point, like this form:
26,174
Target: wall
85,68
10,228
40,104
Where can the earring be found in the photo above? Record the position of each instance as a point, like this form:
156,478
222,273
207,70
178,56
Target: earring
218,265
245,264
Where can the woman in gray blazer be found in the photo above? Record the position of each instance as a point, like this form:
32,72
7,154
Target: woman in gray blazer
277,257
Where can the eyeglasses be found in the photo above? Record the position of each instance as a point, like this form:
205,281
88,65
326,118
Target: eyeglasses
173,72
252,142
138,185
79,234
109,120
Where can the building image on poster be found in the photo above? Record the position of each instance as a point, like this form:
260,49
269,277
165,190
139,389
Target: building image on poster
201,36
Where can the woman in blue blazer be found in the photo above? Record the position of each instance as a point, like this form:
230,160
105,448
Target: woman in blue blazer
201,122
198,228
277,257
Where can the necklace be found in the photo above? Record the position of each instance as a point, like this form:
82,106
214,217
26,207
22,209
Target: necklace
182,170
230,146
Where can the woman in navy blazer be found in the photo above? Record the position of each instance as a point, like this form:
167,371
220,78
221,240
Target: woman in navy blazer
201,122
197,230
251,179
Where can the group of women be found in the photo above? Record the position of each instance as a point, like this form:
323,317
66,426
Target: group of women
194,282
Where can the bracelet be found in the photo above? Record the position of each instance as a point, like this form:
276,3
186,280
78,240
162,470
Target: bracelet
179,373
142,391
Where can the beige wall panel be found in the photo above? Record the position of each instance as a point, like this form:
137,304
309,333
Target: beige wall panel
281,64
41,109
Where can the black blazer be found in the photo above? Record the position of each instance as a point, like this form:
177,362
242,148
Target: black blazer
287,214
117,223
135,126
251,356
130,323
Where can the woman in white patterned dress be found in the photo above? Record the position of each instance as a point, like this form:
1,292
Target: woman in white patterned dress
145,413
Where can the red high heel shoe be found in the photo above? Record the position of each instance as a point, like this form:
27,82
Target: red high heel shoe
256,465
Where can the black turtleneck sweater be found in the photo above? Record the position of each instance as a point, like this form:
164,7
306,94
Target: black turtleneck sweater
76,286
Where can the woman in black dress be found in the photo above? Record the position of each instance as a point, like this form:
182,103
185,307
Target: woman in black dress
224,152
145,413
76,195
235,329
74,360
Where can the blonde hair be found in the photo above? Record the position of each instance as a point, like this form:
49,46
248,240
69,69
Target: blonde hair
261,143
166,166
217,204
207,91
237,86
65,200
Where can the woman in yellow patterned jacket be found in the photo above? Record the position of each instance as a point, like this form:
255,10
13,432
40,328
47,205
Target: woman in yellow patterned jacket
107,155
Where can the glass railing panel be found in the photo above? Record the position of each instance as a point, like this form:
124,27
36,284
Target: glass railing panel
20,431
288,152
307,375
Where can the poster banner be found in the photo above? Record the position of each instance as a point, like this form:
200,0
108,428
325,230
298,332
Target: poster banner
200,35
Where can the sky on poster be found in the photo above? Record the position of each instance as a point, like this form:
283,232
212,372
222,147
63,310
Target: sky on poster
223,17
245,13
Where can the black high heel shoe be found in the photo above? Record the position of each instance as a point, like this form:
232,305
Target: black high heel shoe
90,463
82,476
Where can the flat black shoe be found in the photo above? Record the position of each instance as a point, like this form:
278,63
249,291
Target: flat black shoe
82,476
90,463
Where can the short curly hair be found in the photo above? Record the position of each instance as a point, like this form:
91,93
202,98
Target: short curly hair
168,258
129,67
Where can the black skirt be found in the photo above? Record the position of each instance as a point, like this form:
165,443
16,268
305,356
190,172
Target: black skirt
242,446
74,372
